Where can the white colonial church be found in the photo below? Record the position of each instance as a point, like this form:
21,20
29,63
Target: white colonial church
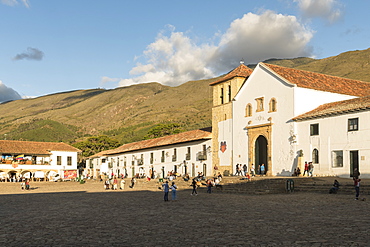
282,117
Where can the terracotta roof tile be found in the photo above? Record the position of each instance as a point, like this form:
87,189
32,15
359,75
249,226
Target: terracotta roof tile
241,71
29,148
336,108
317,81
166,140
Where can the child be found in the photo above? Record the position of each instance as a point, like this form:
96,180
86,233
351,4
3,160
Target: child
22,184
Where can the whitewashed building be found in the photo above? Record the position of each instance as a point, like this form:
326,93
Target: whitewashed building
185,153
262,117
38,160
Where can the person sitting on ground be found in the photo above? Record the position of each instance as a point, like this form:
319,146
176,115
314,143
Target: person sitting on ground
217,184
186,177
246,177
335,187
219,176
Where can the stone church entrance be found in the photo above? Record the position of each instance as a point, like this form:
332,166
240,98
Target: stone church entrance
259,147
260,153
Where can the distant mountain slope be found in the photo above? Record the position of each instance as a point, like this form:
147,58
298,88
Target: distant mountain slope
127,113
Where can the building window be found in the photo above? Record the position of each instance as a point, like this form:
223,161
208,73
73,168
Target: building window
337,158
259,104
151,158
248,110
229,93
314,129
188,154
69,160
352,124
163,157
272,105
124,161
315,156
222,96
59,160
174,156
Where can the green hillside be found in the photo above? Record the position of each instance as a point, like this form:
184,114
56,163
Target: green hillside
128,113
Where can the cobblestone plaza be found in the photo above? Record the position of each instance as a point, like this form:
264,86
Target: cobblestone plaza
73,214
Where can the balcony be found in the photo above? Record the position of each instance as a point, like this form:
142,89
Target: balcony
201,155
187,156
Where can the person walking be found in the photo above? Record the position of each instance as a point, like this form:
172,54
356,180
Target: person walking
133,181
310,169
245,170
357,181
174,191
194,184
166,189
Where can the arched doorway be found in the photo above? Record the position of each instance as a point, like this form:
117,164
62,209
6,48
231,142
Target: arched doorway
261,153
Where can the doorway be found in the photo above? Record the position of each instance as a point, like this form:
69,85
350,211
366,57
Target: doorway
260,154
353,160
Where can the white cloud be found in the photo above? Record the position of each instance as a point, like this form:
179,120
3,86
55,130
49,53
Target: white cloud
174,58
26,3
7,93
329,10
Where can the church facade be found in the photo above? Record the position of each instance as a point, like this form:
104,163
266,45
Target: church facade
282,117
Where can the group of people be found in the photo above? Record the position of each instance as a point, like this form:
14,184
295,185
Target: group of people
308,170
166,188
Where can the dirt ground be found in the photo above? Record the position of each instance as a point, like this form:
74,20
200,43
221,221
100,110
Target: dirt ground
73,214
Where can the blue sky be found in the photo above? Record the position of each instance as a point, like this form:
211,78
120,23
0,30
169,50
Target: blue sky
55,46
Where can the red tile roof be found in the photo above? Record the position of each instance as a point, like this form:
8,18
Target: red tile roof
241,71
336,108
321,82
33,148
188,136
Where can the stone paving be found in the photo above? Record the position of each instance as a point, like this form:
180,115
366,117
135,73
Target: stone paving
73,214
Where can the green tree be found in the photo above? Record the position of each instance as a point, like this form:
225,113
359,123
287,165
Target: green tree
96,144
160,130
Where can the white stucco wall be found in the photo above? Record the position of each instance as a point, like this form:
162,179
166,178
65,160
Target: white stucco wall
334,136
264,84
308,99
132,167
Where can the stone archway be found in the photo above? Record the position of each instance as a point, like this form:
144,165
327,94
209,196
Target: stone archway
260,153
259,146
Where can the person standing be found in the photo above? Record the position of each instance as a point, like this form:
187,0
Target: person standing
174,191
122,184
209,186
305,168
166,189
27,184
357,181
252,170
115,183
194,184
263,169
22,184
245,170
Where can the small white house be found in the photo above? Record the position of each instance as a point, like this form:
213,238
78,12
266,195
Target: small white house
185,153
37,160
